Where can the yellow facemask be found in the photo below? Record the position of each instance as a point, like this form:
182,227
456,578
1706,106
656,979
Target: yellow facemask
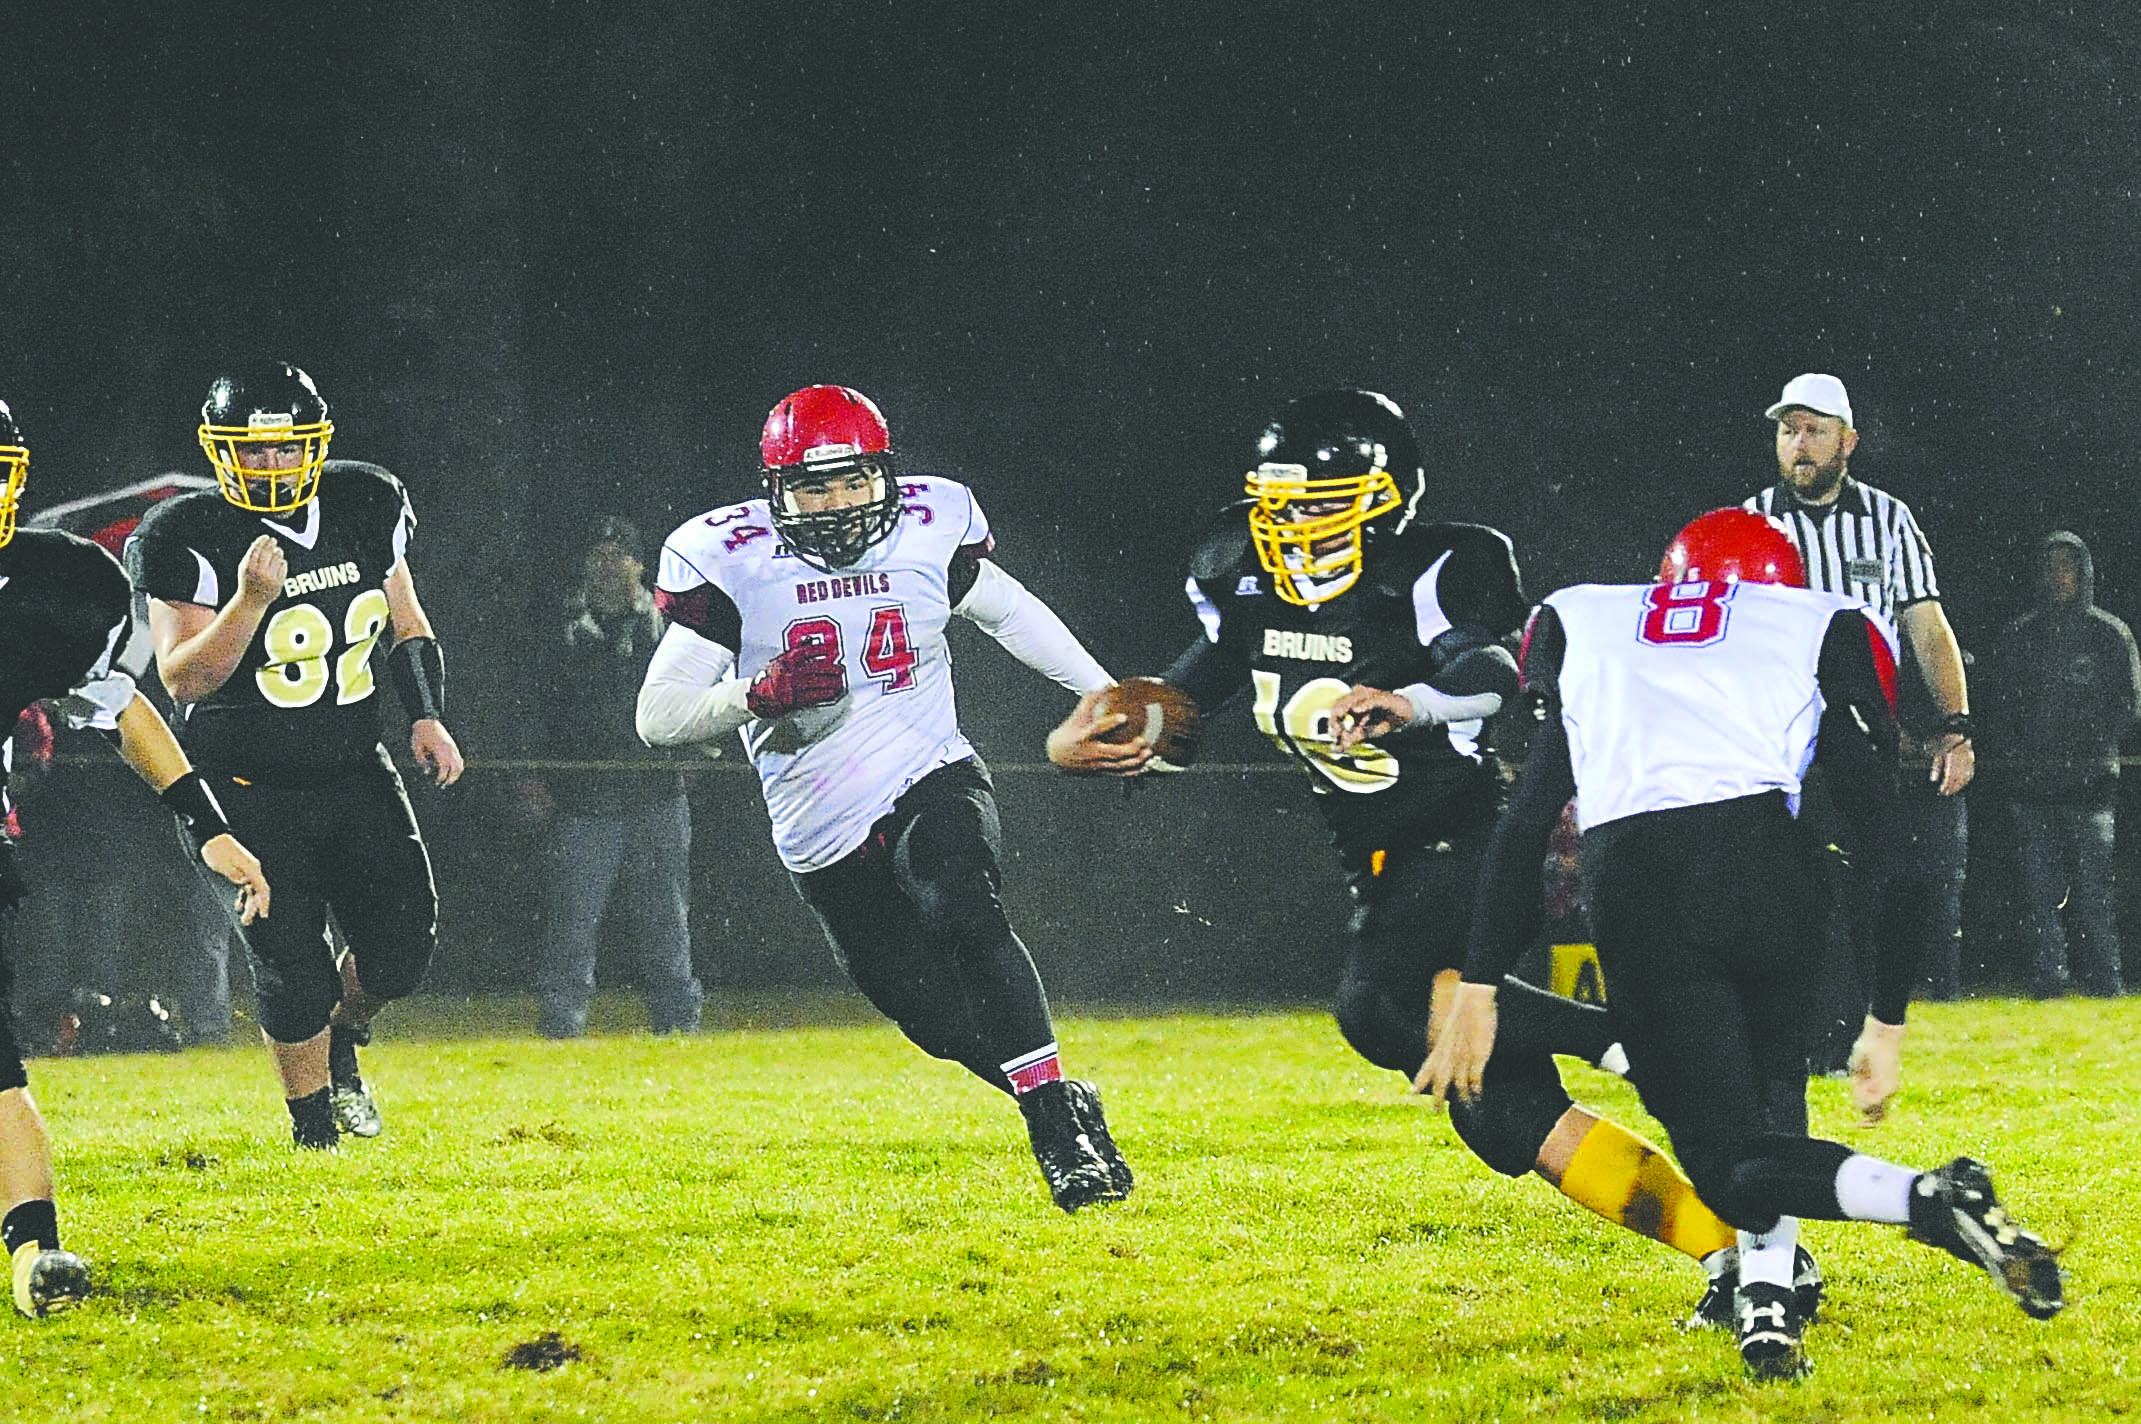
1287,545
261,489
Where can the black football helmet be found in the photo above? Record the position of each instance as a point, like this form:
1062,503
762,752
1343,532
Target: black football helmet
14,471
265,429
1332,471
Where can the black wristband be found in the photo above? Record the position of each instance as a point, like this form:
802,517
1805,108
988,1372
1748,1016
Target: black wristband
195,806
1955,724
420,677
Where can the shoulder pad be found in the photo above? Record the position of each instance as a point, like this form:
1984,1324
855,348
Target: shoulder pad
1219,551
365,474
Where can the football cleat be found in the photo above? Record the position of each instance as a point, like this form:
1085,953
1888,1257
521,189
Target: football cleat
47,1282
1076,1173
1715,1311
356,1111
1769,1333
1953,1207
1085,1099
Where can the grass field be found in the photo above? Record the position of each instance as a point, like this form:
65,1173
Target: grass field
818,1223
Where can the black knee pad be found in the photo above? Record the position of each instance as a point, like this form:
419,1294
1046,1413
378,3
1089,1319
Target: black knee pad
295,1007
1376,1031
1515,1114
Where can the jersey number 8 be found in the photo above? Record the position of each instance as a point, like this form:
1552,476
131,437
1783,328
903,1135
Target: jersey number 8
298,640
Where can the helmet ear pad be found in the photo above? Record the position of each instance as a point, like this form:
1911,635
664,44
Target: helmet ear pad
1733,546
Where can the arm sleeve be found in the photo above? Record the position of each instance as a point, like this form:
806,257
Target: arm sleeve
689,694
1510,905
1029,629
1856,750
1856,743
1473,676
1209,672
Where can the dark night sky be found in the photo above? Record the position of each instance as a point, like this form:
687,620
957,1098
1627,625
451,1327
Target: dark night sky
546,258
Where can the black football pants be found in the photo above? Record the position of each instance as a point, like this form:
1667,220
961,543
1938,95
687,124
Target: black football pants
914,916
1410,918
349,845
1710,923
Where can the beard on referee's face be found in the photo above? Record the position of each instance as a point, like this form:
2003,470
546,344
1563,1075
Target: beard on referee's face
1813,451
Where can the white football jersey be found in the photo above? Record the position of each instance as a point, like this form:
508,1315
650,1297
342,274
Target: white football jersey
830,772
1684,694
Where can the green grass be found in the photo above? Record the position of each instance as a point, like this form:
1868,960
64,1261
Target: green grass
818,1223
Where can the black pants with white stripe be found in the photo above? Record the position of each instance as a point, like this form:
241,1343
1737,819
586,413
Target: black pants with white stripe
915,917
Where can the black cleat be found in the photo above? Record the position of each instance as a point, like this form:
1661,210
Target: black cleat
1953,1207
1085,1099
356,1111
1076,1174
1769,1333
1715,1311
47,1282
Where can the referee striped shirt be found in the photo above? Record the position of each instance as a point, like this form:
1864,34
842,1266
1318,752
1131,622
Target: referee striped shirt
1863,544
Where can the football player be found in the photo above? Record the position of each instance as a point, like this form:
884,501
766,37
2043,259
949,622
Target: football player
65,612
1681,715
268,597
812,621
1371,640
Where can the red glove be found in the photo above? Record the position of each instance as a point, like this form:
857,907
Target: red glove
806,676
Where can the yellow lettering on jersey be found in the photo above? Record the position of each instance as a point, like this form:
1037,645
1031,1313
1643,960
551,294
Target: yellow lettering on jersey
1303,728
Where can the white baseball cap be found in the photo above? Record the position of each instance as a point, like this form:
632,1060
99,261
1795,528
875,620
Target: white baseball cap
1824,395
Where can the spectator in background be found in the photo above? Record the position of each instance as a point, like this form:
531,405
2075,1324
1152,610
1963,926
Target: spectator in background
617,837
1863,543
2063,684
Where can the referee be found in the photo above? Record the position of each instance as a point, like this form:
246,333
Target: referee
1863,543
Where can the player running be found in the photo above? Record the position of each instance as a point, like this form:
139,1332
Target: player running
268,598
813,622
1682,715
1371,641
65,612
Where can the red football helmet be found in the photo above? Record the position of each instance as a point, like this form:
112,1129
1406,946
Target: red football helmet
825,443
1733,546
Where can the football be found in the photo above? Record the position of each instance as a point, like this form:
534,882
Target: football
1161,713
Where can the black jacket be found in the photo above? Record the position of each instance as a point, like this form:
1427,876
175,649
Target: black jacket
2059,689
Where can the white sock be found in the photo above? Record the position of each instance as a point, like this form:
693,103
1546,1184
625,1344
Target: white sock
1868,1189
1767,1258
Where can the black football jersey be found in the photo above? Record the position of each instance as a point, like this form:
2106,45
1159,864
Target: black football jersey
1423,595
301,700
65,611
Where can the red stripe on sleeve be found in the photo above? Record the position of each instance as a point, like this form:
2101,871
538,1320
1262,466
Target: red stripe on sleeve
691,609
1524,648
1884,663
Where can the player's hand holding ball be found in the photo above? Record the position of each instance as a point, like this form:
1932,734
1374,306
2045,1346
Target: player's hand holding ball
805,676
1140,724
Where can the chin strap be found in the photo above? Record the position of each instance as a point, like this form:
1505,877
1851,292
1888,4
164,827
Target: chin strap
420,677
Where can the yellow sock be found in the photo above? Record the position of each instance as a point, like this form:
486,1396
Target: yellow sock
1631,1183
